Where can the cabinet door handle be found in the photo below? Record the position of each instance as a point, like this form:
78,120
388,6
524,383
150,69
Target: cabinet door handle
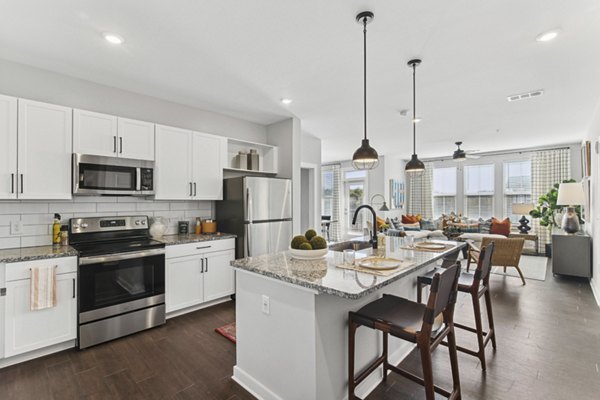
120,145
3,292
21,183
191,189
202,268
206,270
73,287
114,144
12,183
194,188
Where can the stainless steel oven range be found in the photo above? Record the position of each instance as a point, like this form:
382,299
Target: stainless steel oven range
121,277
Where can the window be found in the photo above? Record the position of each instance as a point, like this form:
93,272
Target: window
479,191
444,191
327,194
355,189
517,186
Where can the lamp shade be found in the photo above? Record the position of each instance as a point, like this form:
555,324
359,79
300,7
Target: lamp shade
522,208
570,194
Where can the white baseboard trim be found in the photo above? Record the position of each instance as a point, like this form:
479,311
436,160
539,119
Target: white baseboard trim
254,387
183,311
36,353
595,291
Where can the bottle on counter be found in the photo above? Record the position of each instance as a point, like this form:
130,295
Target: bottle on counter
56,230
64,235
198,226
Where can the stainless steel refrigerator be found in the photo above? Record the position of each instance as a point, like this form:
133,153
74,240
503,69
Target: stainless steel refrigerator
259,211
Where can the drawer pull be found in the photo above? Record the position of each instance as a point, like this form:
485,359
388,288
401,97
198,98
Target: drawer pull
203,247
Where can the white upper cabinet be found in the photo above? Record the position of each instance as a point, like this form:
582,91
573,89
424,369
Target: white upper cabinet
173,169
136,139
189,165
44,150
8,147
94,133
208,161
106,135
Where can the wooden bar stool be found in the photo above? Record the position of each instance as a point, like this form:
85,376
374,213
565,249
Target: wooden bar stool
413,322
477,285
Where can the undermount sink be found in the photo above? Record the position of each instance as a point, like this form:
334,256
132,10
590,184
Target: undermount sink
350,244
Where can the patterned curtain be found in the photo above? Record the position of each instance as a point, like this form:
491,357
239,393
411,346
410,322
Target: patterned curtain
420,200
547,168
336,215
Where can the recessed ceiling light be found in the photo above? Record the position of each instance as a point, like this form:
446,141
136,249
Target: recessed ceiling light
548,35
286,101
113,38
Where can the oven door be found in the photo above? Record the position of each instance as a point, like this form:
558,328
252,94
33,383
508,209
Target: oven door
116,284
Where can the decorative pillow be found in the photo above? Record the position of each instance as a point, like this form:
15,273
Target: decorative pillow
409,219
485,225
412,227
427,224
500,227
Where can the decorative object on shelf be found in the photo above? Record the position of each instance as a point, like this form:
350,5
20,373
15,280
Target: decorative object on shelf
396,193
253,160
241,160
365,157
460,155
586,158
158,227
547,208
183,227
523,209
415,166
570,194
384,207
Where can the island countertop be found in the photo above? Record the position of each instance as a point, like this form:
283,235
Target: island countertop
325,277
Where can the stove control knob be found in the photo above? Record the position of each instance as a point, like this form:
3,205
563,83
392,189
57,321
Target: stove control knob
137,222
84,225
143,222
75,226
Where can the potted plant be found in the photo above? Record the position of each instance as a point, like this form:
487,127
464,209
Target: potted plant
547,211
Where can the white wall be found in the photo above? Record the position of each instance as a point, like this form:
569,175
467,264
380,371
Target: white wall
310,157
594,228
20,80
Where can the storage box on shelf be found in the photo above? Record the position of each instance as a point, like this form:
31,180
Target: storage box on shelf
267,155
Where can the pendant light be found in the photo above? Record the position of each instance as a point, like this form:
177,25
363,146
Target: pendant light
415,166
365,157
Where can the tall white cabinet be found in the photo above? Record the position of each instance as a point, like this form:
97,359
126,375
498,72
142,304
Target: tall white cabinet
189,165
110,136
8,147
44,150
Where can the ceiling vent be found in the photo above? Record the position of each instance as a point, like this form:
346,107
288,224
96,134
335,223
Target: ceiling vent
523,96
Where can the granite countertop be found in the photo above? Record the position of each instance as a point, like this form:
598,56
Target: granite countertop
35,253
323,275
170,240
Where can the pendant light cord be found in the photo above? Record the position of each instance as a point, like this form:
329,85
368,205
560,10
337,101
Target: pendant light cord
414,110
365,72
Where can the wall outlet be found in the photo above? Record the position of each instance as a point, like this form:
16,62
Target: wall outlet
16,227
266,305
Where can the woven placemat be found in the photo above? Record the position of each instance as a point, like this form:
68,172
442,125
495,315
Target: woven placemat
379,272
414,248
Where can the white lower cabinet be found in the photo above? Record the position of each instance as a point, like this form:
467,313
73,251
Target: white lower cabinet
26,330
198,272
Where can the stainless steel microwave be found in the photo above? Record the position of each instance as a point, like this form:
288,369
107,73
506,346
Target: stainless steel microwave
97,175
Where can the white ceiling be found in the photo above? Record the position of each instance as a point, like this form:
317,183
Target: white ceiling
241,57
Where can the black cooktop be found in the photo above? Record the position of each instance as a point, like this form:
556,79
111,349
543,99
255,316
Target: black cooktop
105,247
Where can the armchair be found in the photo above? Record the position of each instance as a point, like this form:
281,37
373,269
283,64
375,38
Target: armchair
507,253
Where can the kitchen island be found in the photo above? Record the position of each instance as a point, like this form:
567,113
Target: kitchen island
292,320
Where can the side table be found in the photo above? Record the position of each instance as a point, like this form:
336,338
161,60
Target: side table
527,236
572,255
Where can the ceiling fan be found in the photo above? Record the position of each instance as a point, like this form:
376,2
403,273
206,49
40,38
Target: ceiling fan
461,155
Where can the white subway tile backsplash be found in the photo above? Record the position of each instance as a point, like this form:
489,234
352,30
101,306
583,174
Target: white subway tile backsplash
115,207
37,216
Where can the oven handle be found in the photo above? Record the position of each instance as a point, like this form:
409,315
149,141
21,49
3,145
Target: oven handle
119,257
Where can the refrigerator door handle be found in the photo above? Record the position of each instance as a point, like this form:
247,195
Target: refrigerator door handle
248,225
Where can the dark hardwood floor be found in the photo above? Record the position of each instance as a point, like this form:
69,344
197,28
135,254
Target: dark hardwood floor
548,348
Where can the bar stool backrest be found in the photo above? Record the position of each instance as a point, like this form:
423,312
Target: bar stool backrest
484,264
443,293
